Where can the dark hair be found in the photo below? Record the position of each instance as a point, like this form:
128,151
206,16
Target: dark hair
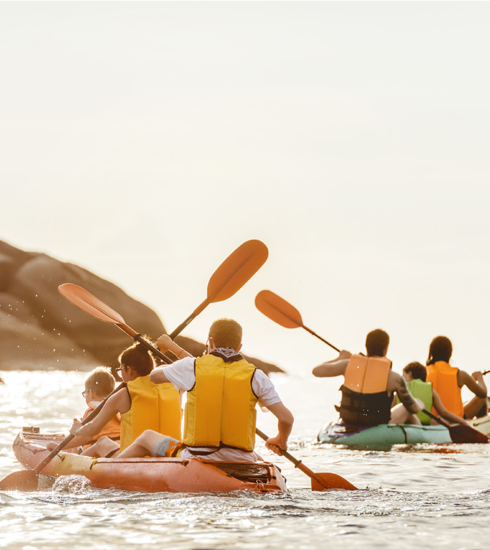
440,349
139,358
417,370
101,382
226,333
376,342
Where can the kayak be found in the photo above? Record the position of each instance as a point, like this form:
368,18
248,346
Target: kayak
482,424
150,474
382,436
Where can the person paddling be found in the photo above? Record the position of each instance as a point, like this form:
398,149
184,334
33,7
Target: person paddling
222,392
448,381
142,404
415,375
369,385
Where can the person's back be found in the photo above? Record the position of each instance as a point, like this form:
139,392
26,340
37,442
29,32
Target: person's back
448,381
141,404
415,375
220,410
222,392
369,384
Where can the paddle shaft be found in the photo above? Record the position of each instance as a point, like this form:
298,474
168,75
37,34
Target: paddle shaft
191,317
148,345
320,338
297,463
437,418
39,468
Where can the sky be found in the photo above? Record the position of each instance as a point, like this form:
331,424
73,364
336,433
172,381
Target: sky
146,141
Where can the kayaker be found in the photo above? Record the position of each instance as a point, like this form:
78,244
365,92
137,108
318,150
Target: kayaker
448,381
369,385
98,386
142,404
222,392
415,375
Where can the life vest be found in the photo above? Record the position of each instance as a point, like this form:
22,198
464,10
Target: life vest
220,409
153,407
112,429
365,399
444,380
422,390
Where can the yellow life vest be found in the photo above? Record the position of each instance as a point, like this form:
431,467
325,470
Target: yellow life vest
153,407
444,380
220,408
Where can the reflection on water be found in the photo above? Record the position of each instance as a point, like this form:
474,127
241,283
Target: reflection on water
431,495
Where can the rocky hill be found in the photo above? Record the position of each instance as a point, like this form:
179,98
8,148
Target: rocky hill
41,330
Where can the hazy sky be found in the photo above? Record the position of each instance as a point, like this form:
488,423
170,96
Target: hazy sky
146,141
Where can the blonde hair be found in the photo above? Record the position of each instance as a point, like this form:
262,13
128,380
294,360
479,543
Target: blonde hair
226,333
101,382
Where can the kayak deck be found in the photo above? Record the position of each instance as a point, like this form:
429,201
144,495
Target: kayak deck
151,474
382,436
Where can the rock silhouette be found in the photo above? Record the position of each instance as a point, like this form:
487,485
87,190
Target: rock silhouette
39,329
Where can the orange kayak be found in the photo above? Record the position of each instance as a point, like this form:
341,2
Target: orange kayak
151,475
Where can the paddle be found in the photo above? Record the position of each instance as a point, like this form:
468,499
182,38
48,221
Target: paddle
240,266
319,481
230,276
286,315
460,433
26,480
82,298
283,313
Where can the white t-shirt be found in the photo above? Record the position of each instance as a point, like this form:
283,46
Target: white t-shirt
181,374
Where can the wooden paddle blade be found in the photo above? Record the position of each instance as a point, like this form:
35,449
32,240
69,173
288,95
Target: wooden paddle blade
466,434
240,266
277,309
23,480
331,481
82,298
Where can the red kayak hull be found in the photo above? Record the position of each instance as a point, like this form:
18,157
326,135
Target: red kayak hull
152,475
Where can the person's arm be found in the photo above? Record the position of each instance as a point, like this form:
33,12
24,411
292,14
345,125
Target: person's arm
165,343
118,403
474,383
397,383
285,421
441,409
336,367
157,376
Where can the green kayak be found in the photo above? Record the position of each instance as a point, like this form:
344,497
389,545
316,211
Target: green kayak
382,436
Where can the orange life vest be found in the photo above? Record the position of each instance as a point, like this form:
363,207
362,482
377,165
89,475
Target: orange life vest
112,429
365,399
444,380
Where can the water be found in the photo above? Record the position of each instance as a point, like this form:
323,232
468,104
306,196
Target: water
412,495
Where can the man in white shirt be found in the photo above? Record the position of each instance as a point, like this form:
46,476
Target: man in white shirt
223,390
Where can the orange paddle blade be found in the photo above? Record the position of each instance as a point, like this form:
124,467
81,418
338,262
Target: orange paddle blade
240,266
331,481
277,309
23,480
81,298
465,434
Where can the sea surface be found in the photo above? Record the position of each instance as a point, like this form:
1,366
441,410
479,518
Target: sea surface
411,496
